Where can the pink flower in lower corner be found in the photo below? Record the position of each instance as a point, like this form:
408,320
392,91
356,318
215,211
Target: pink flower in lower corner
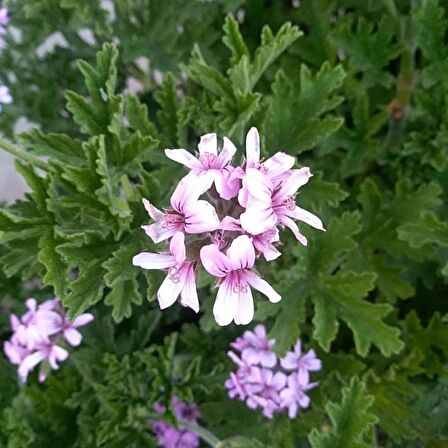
293,396
181,278
268,205
234,270
187,213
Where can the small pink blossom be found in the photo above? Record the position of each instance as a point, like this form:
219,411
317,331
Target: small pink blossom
234,270
5,96
302,363
294,395
187,213
181,278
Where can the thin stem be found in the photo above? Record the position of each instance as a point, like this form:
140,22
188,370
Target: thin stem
21,154
203,433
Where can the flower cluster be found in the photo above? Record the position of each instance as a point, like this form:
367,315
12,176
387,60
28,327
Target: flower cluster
264,381
251,203
38,335
4,20
171,437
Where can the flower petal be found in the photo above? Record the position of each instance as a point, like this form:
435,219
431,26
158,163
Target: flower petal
263,286
241,253
183,157
29,363
305,216
72,336
258,185
252,147
169,291
278,164
186,192
83,319
288,222
189,294
158,232
208,145
148,260
297,179
226,303
258,218
201,217
214,261
177,247
227,152
153,212
245,311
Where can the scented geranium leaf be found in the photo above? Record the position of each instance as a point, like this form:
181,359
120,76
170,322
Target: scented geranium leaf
94,116
308,105
351,420
167,115
36,183
124,293
56,146
233,40
137,115
87,289
430,341
428,229
57,272
207,76
369,48
320,192
327,251
245,75
344,293
121,278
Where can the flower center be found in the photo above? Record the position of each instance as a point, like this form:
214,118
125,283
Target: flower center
174,274
172,219
209,161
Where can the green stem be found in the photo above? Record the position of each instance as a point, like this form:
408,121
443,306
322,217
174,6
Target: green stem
21,154
203,433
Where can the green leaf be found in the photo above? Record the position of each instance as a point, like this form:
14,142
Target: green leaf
342,294
351,420
137,115
233,40
320,192
57,272
87,289
121,297
298,118
246,74
428,229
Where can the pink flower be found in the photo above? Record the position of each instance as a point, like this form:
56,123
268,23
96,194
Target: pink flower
302,363
47,351
212,165
258,349
4,17
266,394
294,396
181,278
188,213
234,269
268,207
69,329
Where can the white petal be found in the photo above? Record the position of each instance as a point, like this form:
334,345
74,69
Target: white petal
241,253
278,164
169,292
226,303
227,152
72,336
252,147
148,260
245,312
201,217
153,212
297,179
177,247
157,232
187,191
258,218
288,222
214,261
189,294
83,319
263,286
208,144
29,363
258,185
306,216
183,157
